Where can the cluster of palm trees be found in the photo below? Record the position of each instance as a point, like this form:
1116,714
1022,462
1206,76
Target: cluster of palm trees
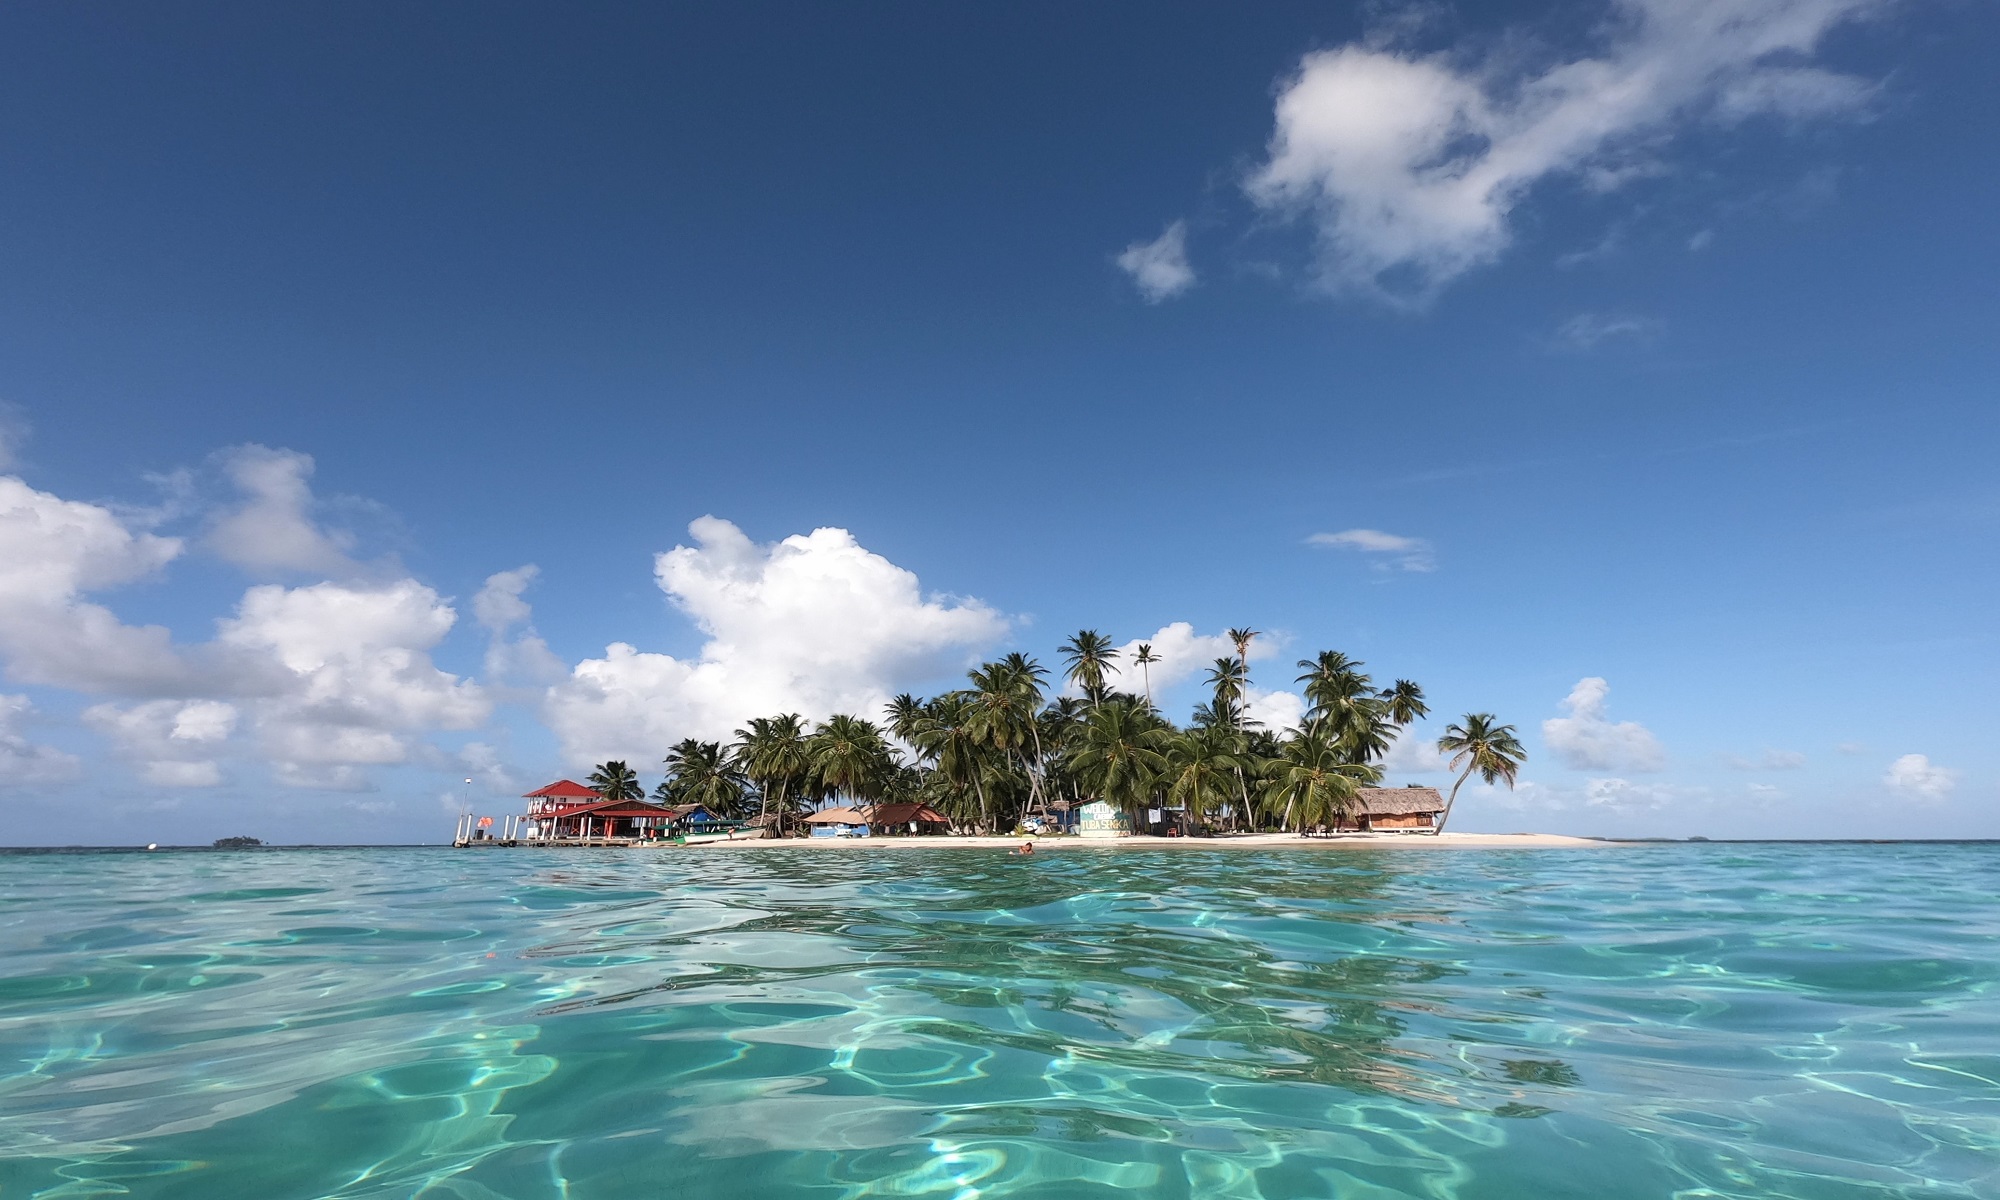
1003,748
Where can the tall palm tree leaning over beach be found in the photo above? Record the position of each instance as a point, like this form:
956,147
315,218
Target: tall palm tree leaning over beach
1477,744
615,781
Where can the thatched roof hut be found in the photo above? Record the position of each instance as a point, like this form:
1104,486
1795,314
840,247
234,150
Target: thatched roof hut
1411,808
1400,802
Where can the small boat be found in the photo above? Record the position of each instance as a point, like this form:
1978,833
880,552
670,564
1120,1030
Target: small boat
717,832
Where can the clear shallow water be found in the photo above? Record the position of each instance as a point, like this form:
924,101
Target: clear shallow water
1770,1021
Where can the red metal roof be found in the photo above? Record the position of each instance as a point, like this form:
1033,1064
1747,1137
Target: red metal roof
563,789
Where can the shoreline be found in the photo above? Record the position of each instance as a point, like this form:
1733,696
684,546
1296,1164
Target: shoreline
1242,841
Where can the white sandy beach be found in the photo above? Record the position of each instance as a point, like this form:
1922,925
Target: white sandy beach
1245,841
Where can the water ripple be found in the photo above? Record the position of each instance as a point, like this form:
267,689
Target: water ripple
1788,1021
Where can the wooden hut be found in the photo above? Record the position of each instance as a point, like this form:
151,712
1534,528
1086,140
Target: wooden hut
1405,809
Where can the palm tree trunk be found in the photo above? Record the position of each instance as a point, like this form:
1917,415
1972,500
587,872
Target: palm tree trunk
1451,800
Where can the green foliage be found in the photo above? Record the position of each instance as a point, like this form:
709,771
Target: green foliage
1090,660
1311,782
849,758
616,781
1479,743
1122,753
704,773
998,749
771,751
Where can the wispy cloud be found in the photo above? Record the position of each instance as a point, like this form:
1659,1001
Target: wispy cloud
1159,268
1393,552
1409,166
1587,331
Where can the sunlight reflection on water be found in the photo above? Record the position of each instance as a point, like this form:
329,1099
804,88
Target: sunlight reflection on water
1793,1021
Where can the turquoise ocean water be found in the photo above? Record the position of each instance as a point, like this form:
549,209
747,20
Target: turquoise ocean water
1685,1021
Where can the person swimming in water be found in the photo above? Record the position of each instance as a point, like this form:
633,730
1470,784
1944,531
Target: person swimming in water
1026,848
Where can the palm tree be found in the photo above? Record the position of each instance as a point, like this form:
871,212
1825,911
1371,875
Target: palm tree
615,781
1313,780
1057,728
1199,770
1477,744
772,751
702,773
1090,657
903,713
943,735
1343,704
1406,702
1243,638
1029,676
1228,680
1143,658
850,756
1001,711
1121,753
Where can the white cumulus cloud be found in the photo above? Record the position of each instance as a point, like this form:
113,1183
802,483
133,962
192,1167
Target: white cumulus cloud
174,743
1586,740
499,606
272,527
361,681
1916,775
1186,656
814,624
1410,165
522,657
1393,551
1183,654
52,553
1159,268
324,680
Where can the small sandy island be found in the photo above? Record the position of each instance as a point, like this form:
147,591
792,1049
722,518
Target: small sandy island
1240,841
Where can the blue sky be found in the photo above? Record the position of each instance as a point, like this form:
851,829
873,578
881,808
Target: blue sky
1625,367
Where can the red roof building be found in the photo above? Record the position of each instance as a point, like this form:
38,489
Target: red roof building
561,796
